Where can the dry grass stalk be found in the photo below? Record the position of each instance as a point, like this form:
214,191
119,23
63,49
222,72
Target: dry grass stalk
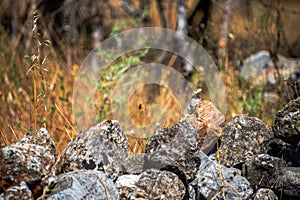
4,139
62,114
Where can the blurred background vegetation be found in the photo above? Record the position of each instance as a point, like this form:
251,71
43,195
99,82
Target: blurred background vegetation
44,42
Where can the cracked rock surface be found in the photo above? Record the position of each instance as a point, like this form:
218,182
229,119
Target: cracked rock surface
20,191
261,169
82,184
151,184
288,181
264,194
243,137
286,125
96,148
174,146
209,184
29,160
40,137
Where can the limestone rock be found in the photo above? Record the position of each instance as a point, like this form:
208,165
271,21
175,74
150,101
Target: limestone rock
133,164
264,194
208,183
261,169
243,137
17,192
165,136
25,162
286,125
40,137
83,184
260,67
288,182
173,146
96,148
151,184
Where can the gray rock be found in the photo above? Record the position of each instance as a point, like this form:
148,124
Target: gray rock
84,184
17,192
25,162
151,184
133,164
260,67
209,184
281,149
264,194
195,100
259,70
174,146
243,137
101,147
256,64
261,169
40,137
175,133
288,181
286,125
294,83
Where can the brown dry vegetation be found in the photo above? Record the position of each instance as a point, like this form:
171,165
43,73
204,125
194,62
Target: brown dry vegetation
63,58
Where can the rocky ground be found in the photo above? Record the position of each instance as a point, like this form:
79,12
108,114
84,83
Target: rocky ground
251,161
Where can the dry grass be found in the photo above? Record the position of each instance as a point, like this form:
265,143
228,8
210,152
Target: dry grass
54,106
54,100
44,99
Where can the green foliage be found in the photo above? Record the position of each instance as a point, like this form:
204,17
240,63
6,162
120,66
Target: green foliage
14,74
110,75
253,102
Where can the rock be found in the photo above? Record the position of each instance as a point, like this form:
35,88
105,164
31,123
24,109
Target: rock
173,146
294,83
206,118
96,148
40,137
288,182
243,137
151,184
133,164
264,194
83,184
261,169
195,101
289,153
174,134
209,184
25,162
259,71
286,125
17,192
256,64
260,67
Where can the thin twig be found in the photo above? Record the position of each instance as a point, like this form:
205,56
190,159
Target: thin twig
12,130
66,119
220,170
4,138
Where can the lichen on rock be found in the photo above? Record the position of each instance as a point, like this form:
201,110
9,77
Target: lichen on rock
29,160
151,184
243,137
216,181
96,148
286,125
82,184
